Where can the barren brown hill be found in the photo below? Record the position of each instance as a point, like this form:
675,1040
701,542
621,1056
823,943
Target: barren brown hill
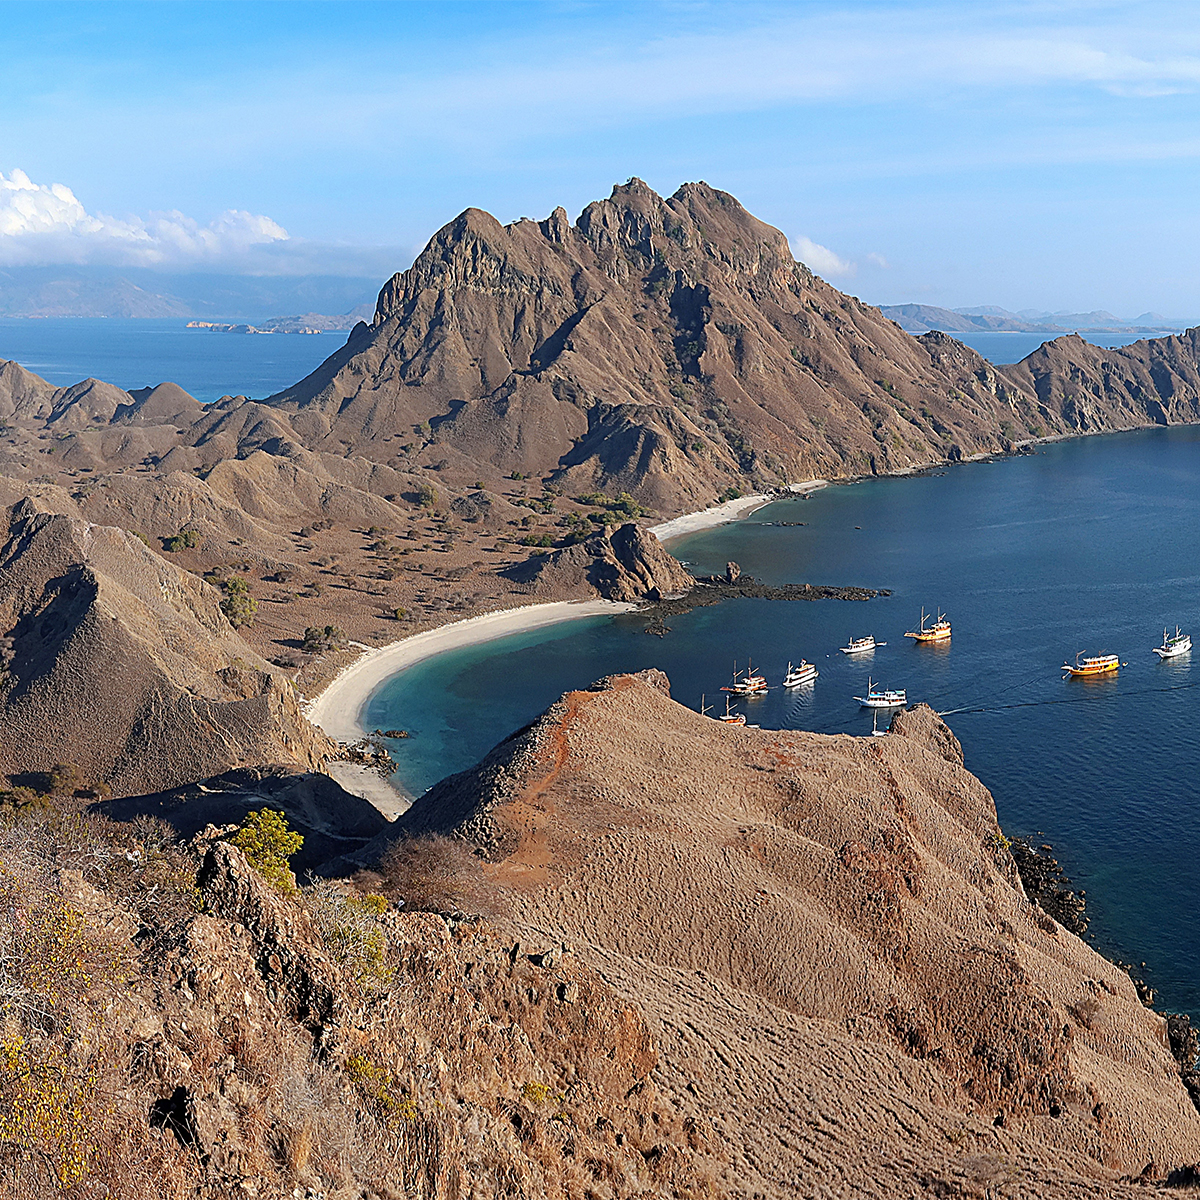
672,348
831,938
125,666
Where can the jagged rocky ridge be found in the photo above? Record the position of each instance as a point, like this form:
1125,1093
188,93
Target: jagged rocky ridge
672,348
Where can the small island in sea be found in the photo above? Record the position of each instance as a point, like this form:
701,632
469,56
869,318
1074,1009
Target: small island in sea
634,950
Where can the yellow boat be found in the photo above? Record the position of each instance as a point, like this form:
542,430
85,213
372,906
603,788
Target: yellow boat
939,631
1099,664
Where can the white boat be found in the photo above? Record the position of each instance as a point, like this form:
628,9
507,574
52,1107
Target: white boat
875,730
862,645
1174,644
877,697
732,718
804,673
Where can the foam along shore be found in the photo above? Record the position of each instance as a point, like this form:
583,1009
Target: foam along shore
722,514
337,710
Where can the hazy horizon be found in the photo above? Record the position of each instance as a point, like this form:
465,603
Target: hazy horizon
1030,155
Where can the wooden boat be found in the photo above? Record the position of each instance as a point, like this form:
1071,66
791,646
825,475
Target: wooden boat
732,718
939,631
746,683
862,645
804,673
1174,645
882,697
1097,664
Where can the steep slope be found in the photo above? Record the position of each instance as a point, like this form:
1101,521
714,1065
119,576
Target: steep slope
124,665
833,941
670,347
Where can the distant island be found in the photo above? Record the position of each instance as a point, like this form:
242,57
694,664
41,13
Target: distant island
306,323
987,318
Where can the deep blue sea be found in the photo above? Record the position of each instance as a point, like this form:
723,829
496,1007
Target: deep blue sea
1091,544
134,354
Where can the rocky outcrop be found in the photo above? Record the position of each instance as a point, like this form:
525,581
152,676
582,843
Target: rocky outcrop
243,1042
622,563
125,666
827,931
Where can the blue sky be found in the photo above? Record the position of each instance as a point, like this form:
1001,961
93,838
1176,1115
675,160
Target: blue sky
1028,155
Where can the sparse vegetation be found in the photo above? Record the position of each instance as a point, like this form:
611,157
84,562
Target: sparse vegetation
435,874
267,842
318,638
185,539
238,606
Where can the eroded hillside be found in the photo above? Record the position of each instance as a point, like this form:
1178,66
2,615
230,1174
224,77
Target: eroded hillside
834,949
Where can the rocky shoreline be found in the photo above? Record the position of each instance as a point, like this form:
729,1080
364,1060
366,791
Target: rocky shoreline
733,585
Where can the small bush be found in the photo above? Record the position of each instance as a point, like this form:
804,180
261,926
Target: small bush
318,638
437,874
238,606
267,842
185,539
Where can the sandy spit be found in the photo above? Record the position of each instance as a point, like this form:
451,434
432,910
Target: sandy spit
722,514
336,710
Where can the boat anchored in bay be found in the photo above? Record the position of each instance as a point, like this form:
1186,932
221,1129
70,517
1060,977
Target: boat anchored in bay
877,697
862,645
746,683
1174,645
1096,664
939,631
804,673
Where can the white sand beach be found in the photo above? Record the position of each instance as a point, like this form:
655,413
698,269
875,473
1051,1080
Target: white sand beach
722,514
336,710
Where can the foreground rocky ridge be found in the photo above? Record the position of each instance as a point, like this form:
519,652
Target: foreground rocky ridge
833,946
189,1031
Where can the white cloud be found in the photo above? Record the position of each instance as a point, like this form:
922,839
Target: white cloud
42,224
820,258
878,260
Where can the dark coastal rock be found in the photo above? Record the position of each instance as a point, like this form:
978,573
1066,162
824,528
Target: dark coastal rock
1047,885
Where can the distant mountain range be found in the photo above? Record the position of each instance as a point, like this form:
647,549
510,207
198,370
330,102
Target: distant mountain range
987,318
103,292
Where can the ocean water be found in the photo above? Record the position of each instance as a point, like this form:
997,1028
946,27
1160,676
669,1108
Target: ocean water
134,354
1088,545
1012,347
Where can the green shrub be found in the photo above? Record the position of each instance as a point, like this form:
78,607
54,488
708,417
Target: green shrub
185,539
238,606
318,638
267,842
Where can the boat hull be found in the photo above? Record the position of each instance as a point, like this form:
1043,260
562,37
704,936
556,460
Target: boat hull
1088,672
882,701
1172,651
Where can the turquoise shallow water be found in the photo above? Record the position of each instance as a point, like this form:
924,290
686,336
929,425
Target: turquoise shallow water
1092,544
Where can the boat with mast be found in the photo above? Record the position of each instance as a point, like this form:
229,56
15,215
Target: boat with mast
804,673
1175,644
732,718
862,645
746,683
878,697
939,631
1095,664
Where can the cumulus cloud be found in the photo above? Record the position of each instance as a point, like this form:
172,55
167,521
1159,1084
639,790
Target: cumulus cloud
44,224
820,258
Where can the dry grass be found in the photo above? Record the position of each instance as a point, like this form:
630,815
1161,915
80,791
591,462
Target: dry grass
436,874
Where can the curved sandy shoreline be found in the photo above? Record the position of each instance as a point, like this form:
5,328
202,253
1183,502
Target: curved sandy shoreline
336,710
722,514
